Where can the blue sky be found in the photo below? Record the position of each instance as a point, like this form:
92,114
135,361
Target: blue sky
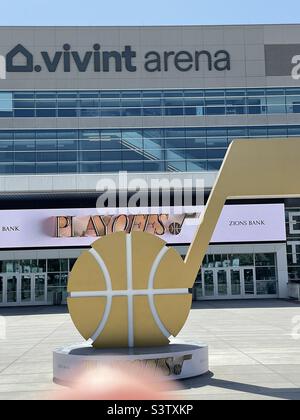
151,12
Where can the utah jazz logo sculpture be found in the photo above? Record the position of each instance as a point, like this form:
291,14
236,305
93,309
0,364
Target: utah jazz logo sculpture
132,290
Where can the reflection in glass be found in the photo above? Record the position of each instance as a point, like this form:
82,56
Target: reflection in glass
235,282
222,282
249,281
25,288
209,283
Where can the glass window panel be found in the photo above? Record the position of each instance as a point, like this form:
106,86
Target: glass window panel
196,166
133,166
277,131
11,284
110,103
23,95
176,154
72,261
216,153
89,103
112,155
1,289
110,112
24,104
88,94
196,153
208,279
67,113
154,166
39,292
6,145
191,111
241,260
6,156
46,168
6,135
90,156
67,134
45,104
6,103
53,265
215,142
176,166
266,288
25,157
24,145
45,95
43,134
111,166
265,259
265,273
294,273
175,132
42,266
174,111
222,282
86,167
153,102
46,113
276,105
24,113
46,144
67,156
66,144
131,112
235,282
110,94
175,143
6,168
89,112
294,130
151,94
25,168
193,93
258,131
64,265
131,155
214,93
153,133
67,168
46,156
150,112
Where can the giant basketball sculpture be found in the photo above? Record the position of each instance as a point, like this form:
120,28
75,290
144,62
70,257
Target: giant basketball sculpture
132,290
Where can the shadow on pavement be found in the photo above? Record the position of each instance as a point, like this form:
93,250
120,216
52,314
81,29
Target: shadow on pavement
255,390
33,310
244,304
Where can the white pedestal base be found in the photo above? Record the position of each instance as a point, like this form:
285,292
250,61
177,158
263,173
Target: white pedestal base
178,360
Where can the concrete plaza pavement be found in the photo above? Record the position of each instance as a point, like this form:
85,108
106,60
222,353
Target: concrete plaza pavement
254,349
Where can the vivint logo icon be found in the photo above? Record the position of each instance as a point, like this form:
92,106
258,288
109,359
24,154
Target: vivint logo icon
2,67
296,68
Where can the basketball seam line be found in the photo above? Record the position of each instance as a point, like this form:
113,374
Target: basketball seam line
152,275
135,292
108,305
129,289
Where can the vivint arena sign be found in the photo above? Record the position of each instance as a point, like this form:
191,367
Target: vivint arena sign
21,60
81,227
280,60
